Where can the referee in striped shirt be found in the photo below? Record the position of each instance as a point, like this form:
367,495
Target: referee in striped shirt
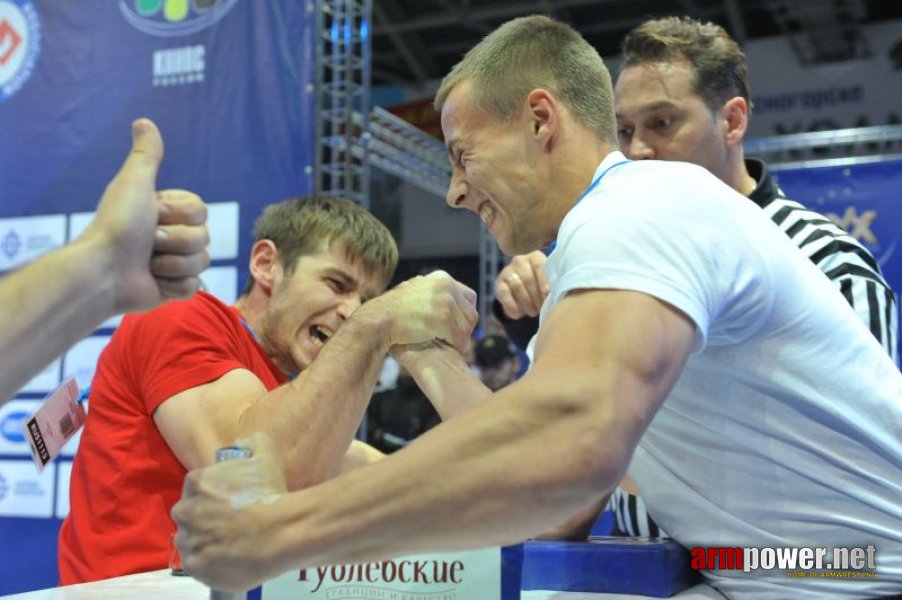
683,94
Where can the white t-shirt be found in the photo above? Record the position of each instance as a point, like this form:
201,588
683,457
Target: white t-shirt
785,427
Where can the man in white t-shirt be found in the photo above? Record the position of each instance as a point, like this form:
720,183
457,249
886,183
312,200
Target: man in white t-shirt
676,314
683,95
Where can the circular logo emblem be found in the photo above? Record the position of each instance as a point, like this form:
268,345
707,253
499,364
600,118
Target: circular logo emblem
11,427
20,44
170,18
10,244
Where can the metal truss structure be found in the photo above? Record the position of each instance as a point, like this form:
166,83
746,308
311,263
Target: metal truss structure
343,59
829,148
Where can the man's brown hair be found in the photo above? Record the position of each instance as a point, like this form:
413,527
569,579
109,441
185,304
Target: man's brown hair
309,224
719,64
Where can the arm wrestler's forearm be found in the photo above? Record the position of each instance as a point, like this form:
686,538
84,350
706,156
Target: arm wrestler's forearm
313,419
488,477
65,295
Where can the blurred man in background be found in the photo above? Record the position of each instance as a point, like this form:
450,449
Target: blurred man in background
497,361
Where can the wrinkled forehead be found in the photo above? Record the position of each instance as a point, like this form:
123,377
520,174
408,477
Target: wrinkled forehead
644,87
368,275
463,107
454,109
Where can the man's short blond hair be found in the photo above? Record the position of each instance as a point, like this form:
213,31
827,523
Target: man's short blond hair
537,52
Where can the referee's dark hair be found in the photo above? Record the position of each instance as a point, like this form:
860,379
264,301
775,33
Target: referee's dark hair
719,64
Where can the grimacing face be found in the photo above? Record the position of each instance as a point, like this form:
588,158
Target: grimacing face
660,116
493,172
308,306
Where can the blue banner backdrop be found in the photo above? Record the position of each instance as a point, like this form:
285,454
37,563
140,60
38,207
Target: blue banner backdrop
865,199
230,85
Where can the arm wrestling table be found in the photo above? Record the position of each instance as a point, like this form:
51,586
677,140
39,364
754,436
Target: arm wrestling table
161,584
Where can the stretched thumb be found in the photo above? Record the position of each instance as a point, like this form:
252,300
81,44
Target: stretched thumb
147,150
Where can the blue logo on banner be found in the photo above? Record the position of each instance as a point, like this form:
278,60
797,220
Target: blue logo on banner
170,18
859,227
20,44
11,244
862,199
11,427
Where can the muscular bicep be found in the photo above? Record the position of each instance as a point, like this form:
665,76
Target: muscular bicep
199,420
623,349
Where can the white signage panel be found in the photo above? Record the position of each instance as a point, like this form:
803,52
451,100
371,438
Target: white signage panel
23,239
13,415
64,473
25,493
221,282
46,381
444,576
81,359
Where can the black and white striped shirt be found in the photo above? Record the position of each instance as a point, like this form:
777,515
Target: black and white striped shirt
848,264
630,516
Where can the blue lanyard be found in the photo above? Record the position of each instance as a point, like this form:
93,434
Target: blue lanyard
256,339
598,179
251,331
591,187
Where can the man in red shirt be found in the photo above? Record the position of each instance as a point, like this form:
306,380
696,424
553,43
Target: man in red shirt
181,381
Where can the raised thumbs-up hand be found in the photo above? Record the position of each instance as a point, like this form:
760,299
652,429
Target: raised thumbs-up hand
156,240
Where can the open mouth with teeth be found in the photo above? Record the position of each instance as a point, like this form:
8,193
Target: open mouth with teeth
486,212
320,335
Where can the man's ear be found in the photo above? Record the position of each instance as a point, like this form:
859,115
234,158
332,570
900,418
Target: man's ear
265,266
735,120
543,112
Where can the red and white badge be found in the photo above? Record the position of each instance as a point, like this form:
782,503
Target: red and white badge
54,423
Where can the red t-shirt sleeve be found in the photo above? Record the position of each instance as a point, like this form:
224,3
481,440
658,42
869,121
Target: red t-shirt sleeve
183,345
